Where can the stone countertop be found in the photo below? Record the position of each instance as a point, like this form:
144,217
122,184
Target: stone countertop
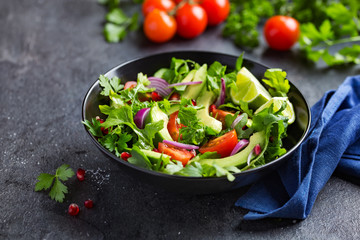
50,54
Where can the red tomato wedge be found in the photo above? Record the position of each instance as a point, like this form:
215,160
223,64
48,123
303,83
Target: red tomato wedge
219,114
174,127
175,153
222,145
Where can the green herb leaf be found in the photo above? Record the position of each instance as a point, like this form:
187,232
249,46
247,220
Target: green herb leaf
58,189
276,80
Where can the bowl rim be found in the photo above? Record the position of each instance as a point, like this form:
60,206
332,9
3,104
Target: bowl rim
160,174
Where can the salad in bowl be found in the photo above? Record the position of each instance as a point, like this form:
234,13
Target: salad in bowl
195,120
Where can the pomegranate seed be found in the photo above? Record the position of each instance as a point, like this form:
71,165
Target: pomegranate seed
103,130
257,149
155,97
80,174
89,203
174,96
125,156
212,108
193,102
73,209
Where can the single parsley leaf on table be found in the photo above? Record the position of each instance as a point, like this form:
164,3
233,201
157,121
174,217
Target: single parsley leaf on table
58,189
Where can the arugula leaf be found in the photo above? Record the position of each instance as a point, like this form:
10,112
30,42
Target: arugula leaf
239,62
138,158
276,80
58,189
123,116
94,127
194,131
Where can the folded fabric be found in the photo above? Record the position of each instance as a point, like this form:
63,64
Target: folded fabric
333,141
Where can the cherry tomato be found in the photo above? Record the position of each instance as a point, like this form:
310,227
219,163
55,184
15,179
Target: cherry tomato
191,20
175,153
223,145
149,5
216,10
281,32
219,114
130,84
174,127
159,26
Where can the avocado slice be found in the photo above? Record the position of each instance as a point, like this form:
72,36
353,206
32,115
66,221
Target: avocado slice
193,91
239,159
205,99
189,77
156,115
154,156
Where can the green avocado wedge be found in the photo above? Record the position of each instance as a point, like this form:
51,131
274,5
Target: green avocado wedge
193,91
157,115
239,159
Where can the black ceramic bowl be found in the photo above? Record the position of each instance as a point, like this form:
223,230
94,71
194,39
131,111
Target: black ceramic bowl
148,65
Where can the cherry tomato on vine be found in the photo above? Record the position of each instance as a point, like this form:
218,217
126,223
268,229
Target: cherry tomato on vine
159,26
149,5
216,10
191,20
281,32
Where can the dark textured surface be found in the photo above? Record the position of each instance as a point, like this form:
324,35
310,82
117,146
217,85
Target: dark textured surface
50,53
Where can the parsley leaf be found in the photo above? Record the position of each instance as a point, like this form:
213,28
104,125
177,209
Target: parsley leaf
113,84
58,189
94,127
276,80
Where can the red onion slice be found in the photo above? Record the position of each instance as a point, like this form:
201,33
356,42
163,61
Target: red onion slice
181,145
236,121
140,116
184,83
256,151
240,145
221,98
160,85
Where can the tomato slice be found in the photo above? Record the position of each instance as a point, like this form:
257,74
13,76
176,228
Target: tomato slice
222,145
219,114
130,84
174,127
175,153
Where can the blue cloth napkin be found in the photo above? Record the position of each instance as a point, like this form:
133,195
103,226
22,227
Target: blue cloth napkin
333,142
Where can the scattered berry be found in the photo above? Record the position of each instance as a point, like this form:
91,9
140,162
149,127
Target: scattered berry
103,130
155,97
257,149
174,96
80,174
73,209
125,156
89,203
193,102
212,108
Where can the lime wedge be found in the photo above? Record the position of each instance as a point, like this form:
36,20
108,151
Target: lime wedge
278,101
249,89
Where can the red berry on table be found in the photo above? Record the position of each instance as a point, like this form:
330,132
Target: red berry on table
80,174
88,203
73,209
125,156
